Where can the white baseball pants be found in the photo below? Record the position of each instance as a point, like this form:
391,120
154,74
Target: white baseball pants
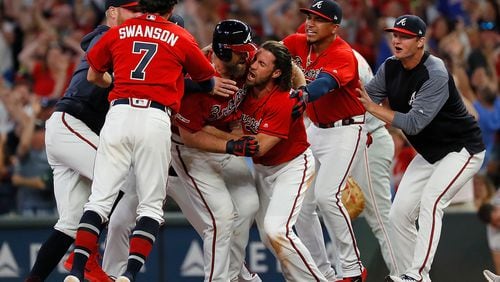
222,191
373,175
308,227
72,172
337,150
425,190
137,138
282,189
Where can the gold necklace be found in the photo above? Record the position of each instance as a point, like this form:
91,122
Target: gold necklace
308,59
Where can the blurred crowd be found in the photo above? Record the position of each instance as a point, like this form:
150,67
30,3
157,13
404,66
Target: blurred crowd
40,47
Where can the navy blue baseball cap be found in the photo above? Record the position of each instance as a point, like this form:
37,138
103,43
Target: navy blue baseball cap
177,19
409,25
327,9
122,3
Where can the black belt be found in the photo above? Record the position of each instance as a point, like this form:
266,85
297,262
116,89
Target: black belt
342,122
140,103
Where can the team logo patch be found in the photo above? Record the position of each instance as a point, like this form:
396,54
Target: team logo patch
412,98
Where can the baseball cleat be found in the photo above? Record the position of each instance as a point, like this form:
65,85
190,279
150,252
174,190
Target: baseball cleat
122,279
402,278
93,271
71,278
490,276
252,277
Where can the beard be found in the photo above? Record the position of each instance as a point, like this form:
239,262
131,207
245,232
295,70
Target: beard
237,70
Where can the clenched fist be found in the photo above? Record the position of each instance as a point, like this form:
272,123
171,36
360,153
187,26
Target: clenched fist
301,95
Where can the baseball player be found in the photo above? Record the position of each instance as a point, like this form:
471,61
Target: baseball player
113,260
373,176
74,127
219,183
426,105
148,55
284,165
330,67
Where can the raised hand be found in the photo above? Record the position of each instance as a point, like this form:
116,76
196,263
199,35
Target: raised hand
301,95
224,87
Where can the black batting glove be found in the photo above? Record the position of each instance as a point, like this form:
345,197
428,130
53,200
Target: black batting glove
301,95
246,146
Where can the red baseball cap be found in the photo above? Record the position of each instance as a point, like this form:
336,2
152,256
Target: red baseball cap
121,3
409,25
327,9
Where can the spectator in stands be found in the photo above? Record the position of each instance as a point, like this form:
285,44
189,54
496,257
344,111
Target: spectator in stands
484,55
7,189
284,17
6,40
32,174
484,190
49,66
488,107
439,29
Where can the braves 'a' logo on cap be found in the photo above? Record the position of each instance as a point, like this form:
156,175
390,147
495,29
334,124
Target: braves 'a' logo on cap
401,22
318,4
248,39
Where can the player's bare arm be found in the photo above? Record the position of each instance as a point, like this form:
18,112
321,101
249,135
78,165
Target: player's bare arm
219,86
222,134
203,140
382,113
243,146
103,80
266,142
298,78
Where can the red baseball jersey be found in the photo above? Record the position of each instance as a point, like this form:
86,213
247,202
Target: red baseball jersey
337,60
200,109
147,55
271,115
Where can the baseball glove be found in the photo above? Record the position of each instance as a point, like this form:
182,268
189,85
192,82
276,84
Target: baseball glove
353,198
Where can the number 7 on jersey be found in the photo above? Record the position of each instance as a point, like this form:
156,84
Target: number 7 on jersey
149,50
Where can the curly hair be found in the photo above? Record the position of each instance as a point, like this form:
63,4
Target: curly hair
283,62
161,7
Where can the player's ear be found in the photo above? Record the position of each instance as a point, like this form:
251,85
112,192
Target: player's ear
276,73
421,42
334,29
112,12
